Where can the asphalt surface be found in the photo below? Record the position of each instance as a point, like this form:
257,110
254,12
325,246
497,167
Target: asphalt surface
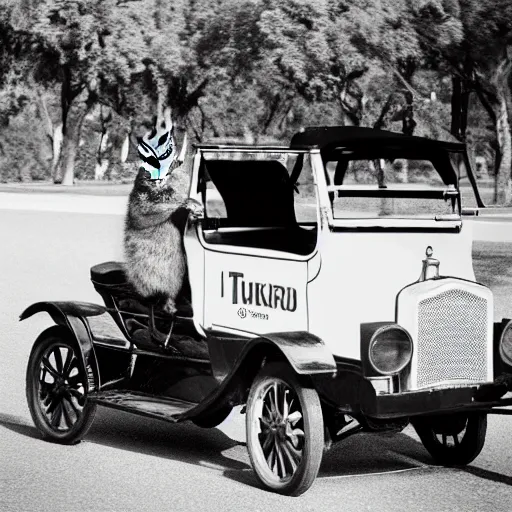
128,463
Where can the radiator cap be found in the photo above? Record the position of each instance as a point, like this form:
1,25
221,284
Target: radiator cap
430,268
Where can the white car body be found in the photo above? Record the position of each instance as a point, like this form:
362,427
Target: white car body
353,276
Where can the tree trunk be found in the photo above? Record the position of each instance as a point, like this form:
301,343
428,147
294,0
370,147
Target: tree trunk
273,108
69,151
75,121
408,122
456,101
56,148
503,183
351,104
125,148
459,107
102,158
380,123
403,173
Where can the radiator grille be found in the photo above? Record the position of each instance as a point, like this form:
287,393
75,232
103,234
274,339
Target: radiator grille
452,338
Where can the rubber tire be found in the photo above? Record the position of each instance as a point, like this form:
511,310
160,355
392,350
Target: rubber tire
313,449
214,419
53,336
469,448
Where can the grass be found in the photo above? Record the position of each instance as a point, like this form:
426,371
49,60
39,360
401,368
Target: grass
492,262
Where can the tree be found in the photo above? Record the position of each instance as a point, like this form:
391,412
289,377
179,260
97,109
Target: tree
480,63
91,49
24,153
269,57
386,47
13,94
488,47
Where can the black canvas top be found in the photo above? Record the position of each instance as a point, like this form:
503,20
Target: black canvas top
369,143
329,137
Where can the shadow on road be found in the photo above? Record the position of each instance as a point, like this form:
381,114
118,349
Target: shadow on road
360,455
180,441
488,475
19,426
374,453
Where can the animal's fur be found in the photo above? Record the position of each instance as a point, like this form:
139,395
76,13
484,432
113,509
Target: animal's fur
153,237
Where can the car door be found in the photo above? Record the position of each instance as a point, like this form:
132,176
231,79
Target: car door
254,293
255,258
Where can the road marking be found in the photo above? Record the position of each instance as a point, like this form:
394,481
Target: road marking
377,473
409,460
400,457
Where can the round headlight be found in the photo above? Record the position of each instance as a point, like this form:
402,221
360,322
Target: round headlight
390,349
506,344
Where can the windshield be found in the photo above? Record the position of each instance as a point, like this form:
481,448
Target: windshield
404,188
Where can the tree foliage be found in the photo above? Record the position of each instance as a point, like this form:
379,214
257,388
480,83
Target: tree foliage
252,69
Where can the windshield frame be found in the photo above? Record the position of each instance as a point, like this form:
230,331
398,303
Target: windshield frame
328,221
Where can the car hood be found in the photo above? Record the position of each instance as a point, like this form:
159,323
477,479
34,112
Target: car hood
361,274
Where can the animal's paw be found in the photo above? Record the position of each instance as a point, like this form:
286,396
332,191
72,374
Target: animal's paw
194,207
170,307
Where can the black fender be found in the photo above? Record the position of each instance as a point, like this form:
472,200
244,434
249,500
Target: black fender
70,315
306,353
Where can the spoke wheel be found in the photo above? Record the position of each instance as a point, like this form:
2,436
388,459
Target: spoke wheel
56,388
285,432
454,440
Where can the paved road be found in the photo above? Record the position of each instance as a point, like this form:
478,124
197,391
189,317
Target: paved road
128,463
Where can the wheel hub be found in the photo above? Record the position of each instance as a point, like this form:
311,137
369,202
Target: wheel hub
281,434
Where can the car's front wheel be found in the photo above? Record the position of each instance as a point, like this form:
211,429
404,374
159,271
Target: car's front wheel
57,387
454,440
285,430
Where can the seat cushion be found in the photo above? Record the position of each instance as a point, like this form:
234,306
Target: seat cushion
110,272
110,278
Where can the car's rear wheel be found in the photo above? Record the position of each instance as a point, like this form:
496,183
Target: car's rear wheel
454,440
285,430
57,387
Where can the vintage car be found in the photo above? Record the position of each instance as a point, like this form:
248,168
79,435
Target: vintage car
331,292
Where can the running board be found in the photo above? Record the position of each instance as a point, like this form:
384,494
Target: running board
166,409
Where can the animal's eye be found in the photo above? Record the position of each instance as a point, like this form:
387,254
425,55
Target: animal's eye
146,175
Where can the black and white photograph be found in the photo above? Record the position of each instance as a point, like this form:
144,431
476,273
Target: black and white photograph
255,255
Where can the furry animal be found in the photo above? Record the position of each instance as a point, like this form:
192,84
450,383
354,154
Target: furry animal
158,209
